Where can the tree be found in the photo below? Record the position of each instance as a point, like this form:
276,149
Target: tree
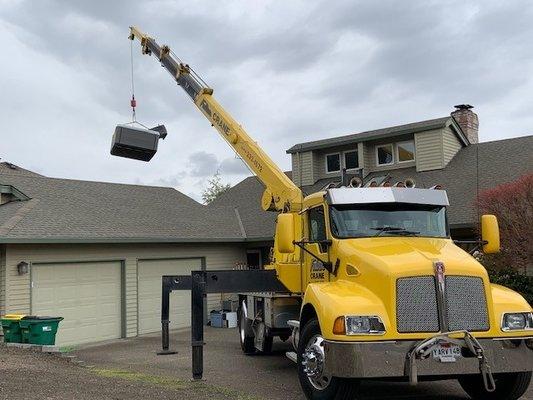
512,203
214,188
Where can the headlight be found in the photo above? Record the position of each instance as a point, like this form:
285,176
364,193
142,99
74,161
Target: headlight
517,321
359,325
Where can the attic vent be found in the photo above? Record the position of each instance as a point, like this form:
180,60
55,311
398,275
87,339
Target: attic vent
10,166
10,193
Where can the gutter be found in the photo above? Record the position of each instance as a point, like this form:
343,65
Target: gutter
55,240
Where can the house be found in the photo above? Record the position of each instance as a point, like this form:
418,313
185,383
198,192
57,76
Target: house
96,252
444,151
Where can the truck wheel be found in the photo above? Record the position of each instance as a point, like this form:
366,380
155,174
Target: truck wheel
508,386
315,384
246,333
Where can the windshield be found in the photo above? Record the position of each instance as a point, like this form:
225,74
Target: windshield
388,219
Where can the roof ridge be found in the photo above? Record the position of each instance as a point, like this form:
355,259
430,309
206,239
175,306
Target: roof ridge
366,132
19,215
503,140
90,181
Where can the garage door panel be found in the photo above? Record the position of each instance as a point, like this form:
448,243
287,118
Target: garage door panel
86,295
149,293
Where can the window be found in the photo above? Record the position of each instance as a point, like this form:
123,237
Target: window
351,161
406,151
384,155
317,224
388,219
333,162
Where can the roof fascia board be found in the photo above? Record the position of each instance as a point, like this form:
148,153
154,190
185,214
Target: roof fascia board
128,240
302,146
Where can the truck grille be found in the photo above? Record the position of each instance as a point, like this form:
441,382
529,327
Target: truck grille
417,309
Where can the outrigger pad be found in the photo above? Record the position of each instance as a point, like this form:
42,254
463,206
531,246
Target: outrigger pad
132,142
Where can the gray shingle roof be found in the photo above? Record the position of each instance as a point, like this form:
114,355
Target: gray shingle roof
245,197
7,168
499,162
379,133
83,211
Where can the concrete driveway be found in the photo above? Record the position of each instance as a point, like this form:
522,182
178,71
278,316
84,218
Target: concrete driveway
255,377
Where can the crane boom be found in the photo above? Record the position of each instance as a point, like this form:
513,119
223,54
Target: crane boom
281,193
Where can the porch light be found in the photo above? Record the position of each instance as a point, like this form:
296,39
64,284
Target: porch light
23,268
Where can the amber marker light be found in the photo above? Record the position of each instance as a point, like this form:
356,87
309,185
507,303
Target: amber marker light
339,327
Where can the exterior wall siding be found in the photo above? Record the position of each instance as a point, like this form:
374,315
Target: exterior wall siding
429,150
2,279
307,168
450,145
18,288
295,168
303,164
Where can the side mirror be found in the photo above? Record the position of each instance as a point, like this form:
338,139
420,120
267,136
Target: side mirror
285,233
490,234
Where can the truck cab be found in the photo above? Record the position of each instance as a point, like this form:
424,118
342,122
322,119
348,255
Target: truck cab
379,290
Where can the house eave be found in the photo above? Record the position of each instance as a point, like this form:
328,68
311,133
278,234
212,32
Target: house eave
74,240
309,147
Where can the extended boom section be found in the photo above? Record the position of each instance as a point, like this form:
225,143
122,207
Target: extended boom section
281,193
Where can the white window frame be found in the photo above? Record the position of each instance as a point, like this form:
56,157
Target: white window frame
326,162
398,152
356,151
392,153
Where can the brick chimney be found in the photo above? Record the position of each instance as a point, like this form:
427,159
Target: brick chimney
467,120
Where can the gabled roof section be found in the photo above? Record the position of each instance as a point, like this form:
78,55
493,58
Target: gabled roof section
415,127
13,192
74,211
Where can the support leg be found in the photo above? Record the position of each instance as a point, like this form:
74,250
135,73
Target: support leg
197,326
165,304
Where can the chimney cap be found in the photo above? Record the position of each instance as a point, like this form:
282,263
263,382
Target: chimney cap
463,106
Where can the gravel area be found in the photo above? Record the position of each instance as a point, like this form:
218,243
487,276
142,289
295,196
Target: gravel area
27,374
130,369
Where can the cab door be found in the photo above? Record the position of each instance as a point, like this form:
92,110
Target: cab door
316,235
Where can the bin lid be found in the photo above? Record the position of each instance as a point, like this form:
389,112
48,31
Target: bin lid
41,317
15,317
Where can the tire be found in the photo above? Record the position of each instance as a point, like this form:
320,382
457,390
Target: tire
321,387
508,386
246,333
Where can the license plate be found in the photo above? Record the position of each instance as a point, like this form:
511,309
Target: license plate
446,352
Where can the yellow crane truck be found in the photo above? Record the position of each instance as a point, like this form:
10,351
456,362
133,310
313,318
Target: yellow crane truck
376,287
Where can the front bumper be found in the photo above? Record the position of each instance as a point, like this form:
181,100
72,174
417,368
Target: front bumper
390,359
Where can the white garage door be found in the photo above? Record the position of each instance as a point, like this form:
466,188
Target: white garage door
150,273
86,295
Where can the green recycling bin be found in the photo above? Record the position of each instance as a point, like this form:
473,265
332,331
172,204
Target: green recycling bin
11,327
39,330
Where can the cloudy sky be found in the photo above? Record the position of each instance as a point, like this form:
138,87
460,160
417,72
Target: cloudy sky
289,71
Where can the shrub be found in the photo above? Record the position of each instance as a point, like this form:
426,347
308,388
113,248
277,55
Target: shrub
512,203
509,277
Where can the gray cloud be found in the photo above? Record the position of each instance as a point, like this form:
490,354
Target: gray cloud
233,166
288,72
202,164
